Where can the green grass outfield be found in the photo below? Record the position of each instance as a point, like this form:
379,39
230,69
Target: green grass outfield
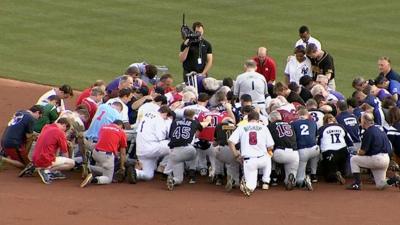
77,42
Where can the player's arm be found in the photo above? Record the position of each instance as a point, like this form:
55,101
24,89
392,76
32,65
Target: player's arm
361,152
136,105
184,51
206,122
123,158
208,64
233,149
228,107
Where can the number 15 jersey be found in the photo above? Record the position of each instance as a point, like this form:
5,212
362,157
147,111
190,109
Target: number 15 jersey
254,139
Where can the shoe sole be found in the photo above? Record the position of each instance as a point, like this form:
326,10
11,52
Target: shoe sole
340,178
131,174
170,183
229,184
290,183
308,184
87,180
244,188
43,178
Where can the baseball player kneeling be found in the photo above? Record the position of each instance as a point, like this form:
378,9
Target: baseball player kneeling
256,145
373,155
181,135
285,151
152,141
112,139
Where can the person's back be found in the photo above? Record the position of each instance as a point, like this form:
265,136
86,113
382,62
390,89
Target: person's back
306,133
350,124
252,83
111,138
15,133
283,134
49,115
105,114
50,140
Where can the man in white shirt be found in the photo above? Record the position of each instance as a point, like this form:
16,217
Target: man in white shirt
152,141
252,83
298,65
64,92
256,145
305,38
151,106
125,95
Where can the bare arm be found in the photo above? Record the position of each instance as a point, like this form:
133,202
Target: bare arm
360,152
140,102
123,158
228,107
209,64
184,53
234,151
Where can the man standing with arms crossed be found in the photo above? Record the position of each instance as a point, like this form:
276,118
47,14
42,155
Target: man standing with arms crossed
256,146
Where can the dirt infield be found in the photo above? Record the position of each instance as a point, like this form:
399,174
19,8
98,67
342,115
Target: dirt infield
28,201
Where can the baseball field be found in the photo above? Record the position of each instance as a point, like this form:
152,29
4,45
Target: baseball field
77,42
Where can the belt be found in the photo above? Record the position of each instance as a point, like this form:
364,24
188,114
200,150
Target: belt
257,157
92,140
107,153
260,103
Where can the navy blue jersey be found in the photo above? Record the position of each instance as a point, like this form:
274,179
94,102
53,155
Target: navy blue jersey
350,124
20,125
379,116
182,132
375,141
393,134
306,133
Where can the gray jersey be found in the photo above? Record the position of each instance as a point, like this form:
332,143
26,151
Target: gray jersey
251,83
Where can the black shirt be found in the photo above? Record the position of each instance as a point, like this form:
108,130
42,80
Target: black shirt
182,132
325,65
20,125
294,97
192,63
305,94
283,135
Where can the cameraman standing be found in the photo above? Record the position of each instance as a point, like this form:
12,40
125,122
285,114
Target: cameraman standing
196,55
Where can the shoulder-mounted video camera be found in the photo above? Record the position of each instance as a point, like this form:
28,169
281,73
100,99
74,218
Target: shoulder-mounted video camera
187,33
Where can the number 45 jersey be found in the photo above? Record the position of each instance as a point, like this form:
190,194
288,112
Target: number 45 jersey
216,118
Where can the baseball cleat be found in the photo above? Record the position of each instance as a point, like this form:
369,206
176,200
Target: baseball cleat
131,174
57,175
87,180
229,183
170,183
246,191
340,178
265,186
27,171
274,181
85,170
314,178
44,176
354,186
203,172
218,180
291,182
307,183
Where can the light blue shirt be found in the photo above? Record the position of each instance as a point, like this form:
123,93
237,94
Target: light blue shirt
105,114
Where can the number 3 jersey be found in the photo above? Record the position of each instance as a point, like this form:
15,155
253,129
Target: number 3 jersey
182,132
333,137
254,139
216,118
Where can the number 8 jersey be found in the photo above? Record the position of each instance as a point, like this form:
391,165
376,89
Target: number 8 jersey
254,139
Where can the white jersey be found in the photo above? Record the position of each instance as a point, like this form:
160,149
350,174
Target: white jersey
317,116
124,112
254,139
44,100
332,137
145,108
296,70
152,129
251,83
310,40
196,108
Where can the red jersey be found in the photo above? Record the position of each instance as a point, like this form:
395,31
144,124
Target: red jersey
216,118
267,68
111,139
85,93
50,140
91,106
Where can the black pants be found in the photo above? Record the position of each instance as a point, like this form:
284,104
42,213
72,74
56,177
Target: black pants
333,161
